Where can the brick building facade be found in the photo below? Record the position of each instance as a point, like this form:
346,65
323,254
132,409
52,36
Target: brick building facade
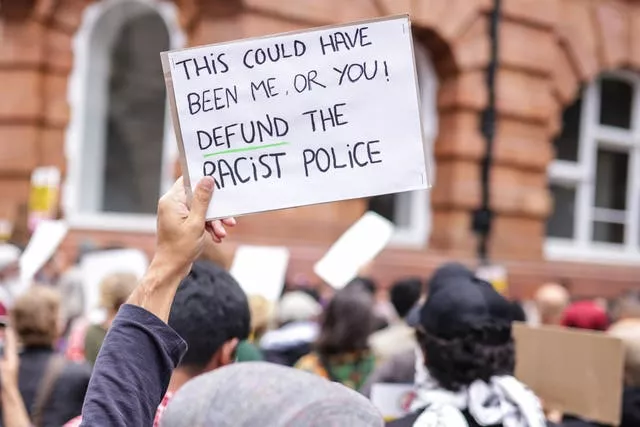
569,212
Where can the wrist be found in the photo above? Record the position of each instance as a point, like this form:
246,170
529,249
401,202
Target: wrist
158,287
162,273
9,385
168,266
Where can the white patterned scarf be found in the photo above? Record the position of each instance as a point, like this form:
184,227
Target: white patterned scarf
503,400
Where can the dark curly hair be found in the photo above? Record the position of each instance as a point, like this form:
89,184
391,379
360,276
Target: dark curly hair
209,309
348,321
457,362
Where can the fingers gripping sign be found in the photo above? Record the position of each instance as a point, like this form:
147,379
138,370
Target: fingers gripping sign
182,230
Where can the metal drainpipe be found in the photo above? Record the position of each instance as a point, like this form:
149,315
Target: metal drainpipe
483,216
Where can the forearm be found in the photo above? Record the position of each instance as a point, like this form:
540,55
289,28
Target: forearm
157,288
133,369
14,413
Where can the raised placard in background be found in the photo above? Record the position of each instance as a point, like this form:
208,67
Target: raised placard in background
96,266
573,371
300,118
43,244
261,270
43,196
392,400
358,246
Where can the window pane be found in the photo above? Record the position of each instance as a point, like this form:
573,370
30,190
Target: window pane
560,223
615,103
566,143
384,205
136,117
608,232
611,180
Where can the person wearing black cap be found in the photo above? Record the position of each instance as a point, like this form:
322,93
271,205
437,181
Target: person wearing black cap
466,377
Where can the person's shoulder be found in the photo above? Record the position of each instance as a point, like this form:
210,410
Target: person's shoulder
406,421
247,351
310,363
76,371
392,340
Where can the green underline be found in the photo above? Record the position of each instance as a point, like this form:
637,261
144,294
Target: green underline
242,150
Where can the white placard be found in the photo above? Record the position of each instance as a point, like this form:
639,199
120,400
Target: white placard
360,244
261,270
392,400
45,240
300,118
96,266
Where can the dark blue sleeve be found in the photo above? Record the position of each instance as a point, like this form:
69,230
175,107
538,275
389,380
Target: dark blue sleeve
132,371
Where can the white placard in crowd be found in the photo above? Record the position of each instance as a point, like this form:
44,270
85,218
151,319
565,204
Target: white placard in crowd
392,400
96,266
43,244
360,244
261,270
300,118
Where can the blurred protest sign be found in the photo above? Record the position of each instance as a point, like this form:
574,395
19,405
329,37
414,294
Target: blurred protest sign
360,244
496,275
392,400
96,266
43,196
300,118
261,270
573,371
43,244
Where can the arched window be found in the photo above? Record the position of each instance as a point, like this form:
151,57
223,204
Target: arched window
411,211
120,147
595,179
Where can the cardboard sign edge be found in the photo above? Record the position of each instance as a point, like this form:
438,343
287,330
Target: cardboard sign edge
173,109
615,419
294,32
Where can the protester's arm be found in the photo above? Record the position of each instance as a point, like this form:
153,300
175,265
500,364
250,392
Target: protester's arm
140,350
14,413
181,238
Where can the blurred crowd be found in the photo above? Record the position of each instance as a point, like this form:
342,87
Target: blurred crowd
311,358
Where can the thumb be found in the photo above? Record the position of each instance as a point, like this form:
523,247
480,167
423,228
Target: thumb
201,198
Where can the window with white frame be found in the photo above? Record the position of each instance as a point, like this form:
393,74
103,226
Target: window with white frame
411,211
120,146
595,179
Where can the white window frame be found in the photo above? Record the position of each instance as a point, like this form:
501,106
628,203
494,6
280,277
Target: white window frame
88,97
416,205
581,175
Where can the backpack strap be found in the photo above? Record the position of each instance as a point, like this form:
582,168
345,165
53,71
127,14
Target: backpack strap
45,390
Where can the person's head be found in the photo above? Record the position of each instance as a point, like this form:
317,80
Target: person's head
465,333
35,316
629,332
211,313
115,290
446,273
261,315
362,283
517,312
627,306
551,300
585,315
404,294
297,306
348,321
264,394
